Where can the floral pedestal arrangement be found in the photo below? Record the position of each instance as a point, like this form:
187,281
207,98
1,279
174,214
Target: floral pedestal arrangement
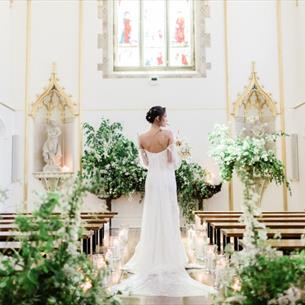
258,274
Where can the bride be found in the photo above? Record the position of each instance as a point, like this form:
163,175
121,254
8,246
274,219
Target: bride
159,260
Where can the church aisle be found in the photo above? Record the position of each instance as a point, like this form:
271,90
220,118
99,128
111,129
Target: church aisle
118,275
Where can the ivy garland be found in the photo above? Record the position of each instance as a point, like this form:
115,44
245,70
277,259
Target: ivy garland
192,188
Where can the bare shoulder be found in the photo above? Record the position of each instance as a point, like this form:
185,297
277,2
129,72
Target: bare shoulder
169,135
168,132
143,135
141,138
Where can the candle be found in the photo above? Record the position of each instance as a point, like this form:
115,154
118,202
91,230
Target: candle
220,265
236,286
106,241
211,258
116,276
221,262
65,169
191,256
199,248
198,225
109,256
98,261
87,285
201,243
123,235
205,227
116,249
191,238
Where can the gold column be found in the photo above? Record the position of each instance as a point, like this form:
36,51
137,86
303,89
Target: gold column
282,92
227,88
26,104
80,79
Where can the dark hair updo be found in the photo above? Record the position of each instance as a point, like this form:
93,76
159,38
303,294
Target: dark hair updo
156,111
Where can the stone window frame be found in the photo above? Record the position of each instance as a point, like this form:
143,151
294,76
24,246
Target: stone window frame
105,45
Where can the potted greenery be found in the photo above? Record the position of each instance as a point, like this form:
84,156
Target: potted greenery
110,162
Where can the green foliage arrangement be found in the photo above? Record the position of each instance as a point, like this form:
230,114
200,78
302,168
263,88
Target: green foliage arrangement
264,280
264,277
249,156
111,162
255,164
49,268
192,188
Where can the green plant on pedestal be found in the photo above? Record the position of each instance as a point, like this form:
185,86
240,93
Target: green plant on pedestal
193,188
258,274
110,163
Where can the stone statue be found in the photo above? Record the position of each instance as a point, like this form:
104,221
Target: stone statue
51,150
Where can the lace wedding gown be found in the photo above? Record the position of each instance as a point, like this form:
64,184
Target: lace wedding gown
159,260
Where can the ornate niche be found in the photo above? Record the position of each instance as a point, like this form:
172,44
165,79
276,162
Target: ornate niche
255,112
54,126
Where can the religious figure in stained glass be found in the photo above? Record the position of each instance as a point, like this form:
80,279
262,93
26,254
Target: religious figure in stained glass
179,36
125,38
154,33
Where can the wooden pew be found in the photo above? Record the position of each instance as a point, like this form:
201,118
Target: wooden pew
217,226
285,245
9,246
236,234
94,225
274,219
239,212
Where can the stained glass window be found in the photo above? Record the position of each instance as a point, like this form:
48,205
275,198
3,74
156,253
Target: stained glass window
153,35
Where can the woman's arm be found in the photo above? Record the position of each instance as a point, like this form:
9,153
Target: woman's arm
169,148
143,155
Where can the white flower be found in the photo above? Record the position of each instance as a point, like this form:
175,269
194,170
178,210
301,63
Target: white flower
289,297
183,148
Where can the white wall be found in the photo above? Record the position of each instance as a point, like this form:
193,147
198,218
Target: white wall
294,76
194,105
7,130
5,58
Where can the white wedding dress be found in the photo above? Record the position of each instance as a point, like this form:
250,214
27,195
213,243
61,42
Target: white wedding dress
159,260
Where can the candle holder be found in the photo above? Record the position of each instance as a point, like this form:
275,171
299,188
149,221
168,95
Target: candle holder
236,286
221,263
201,244
211,258
116,249
191,237
98,261
109,259
123,235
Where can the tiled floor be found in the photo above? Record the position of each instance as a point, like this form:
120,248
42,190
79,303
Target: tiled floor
198,274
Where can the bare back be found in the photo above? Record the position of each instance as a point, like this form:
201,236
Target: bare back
155,141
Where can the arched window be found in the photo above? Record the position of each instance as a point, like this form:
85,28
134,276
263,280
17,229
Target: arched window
143,37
